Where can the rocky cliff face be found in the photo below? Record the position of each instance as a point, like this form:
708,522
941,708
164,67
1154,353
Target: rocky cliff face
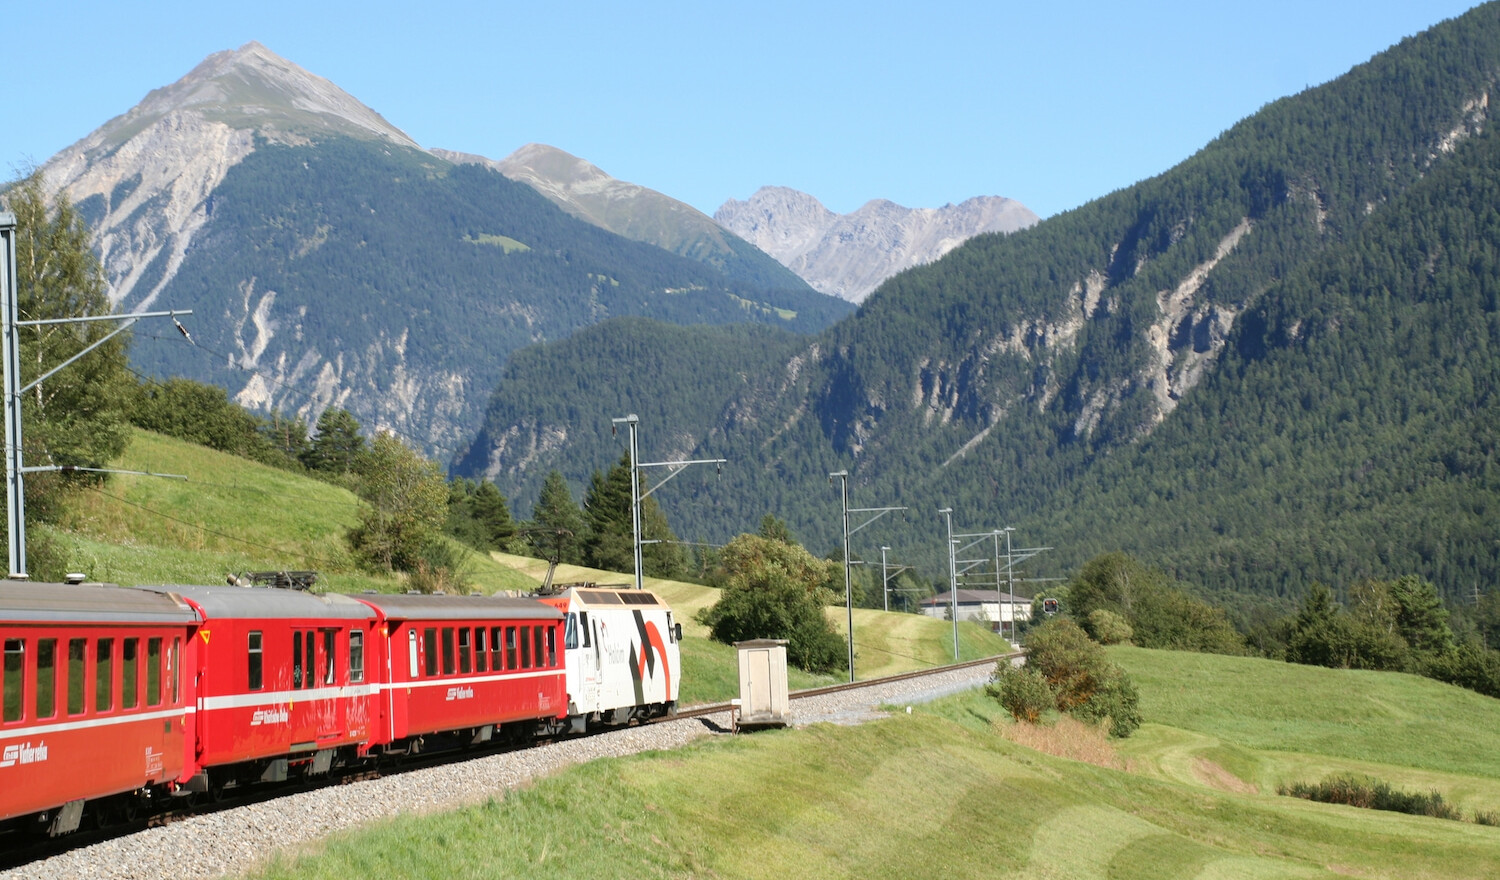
849,255
147,174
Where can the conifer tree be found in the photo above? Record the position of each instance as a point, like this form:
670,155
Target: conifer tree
556,511
609,544
338,445
490,509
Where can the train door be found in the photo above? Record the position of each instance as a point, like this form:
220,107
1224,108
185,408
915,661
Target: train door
582,646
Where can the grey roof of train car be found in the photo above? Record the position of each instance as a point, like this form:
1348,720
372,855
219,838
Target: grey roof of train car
594,597
426,607
268,602
33,601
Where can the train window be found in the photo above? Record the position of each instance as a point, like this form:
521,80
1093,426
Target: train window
257,661
465,651
104,675
536,641
130,674
153,672
311,677
330,652
525,647
15,679
479,651
583,624
356,656
429,644
497,659
447,650
551,646
46,678
671,636
570,639
510,647
411,651
77,674
296,660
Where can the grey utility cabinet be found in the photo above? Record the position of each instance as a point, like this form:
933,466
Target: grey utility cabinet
763,693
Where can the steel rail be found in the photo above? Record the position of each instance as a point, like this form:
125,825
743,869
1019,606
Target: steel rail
717,708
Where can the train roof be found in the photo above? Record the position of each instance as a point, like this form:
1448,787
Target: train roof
218,601
34,601
594,597
428,607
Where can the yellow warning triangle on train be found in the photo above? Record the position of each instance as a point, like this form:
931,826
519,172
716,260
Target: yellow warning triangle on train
203,634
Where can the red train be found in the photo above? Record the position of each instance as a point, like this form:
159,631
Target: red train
112,698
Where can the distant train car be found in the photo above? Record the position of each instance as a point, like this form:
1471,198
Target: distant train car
94,708
469,666
284,683
623,659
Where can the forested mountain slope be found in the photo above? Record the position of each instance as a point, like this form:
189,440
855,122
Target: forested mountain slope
394,283
1267,365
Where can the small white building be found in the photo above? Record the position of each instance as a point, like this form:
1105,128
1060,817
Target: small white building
990,606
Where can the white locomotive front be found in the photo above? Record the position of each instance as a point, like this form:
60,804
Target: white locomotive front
623,659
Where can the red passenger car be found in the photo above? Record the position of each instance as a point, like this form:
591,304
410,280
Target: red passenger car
94,706
284,683
468,665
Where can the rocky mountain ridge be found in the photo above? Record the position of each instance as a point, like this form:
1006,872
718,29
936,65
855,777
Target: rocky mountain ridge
849,255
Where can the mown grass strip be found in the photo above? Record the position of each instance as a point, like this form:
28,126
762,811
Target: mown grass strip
933,793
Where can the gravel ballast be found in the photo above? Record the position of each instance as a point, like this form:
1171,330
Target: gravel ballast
233,841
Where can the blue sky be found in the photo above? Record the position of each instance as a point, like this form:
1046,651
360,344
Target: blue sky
1051,103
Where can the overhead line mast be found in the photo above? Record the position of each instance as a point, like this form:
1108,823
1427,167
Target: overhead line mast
10,359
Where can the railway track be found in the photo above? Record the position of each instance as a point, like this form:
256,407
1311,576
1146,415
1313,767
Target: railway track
719,708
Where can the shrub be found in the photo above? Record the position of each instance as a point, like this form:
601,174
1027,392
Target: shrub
769,603
1371,794
442,567
1109,628
1117,701
1082,677
1022,691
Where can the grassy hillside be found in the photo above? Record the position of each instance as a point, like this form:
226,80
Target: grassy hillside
229,515
1264,722
944,792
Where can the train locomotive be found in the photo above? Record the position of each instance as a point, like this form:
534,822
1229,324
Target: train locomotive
116,699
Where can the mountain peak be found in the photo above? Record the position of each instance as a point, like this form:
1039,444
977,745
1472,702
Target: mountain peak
180,141
254,88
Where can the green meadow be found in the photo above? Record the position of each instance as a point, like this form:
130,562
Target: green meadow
944,792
